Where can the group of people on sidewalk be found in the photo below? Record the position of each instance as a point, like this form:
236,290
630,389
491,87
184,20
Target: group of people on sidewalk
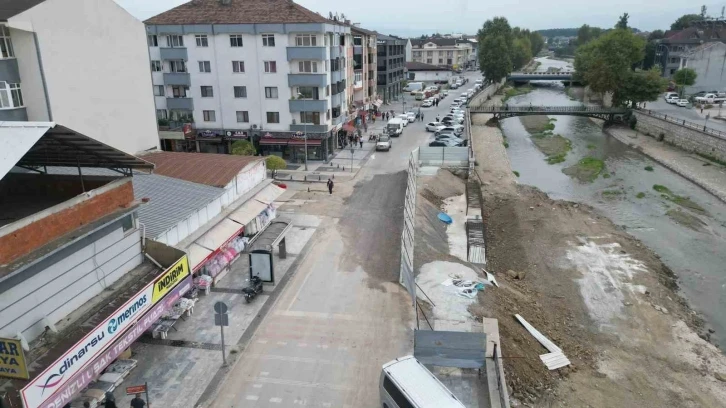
137,402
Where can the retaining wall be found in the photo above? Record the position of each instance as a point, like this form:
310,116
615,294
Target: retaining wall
688,139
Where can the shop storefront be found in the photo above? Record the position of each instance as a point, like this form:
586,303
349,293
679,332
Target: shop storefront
291,146
90,359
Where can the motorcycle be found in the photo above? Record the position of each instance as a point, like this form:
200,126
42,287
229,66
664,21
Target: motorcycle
253,289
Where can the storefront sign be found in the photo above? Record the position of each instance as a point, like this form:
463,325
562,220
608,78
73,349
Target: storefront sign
236,134
135,389
12,359
207,133
187,131
40,389
166,282
78,382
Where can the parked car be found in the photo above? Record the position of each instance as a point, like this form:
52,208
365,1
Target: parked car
456,110
709,98
672,99
404,118
384,143
457,129
427,103
411,116
454,86
444,143
457,120
434,126
682,103
449,136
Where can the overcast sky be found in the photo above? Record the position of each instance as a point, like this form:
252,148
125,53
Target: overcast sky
416,17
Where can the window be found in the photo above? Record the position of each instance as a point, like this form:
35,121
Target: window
243,116
308,66
179,91
177,66
205,66
310,117
441,60
240,91
235,40
396,394
429,60
271,92
307,92
673,71
174,41
16,95
306,40
162,114
327,115
357,40
449,61
449,54
268,40
270,66
429,53
417,54
207,92
158,90
127,223
202,40
238,67
155,66
152,40
209,116
10,95
273,117
358,77
327,90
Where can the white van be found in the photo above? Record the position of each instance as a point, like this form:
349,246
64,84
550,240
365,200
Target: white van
395,126
406,383
465,96
414,87
404,118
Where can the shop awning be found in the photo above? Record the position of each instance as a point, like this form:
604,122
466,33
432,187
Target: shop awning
301,142
271,141
247,212
197,255
269,194
220,234
378,103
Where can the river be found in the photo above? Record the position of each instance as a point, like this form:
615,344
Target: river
697,254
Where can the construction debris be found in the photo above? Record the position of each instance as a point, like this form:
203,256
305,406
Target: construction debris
555,358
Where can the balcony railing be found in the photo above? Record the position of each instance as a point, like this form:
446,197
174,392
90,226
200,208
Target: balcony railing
177,78
173,53
308,105
179,104
306,53
309,128
319,80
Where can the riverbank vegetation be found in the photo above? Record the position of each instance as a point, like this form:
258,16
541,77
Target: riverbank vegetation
586,170
503,49
684,202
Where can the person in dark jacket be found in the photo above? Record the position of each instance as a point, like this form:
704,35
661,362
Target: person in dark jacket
110,401
330,185
137,402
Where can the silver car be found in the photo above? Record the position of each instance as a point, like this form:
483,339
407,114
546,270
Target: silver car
384,143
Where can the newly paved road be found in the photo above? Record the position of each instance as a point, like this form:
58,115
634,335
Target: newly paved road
689,113
343,314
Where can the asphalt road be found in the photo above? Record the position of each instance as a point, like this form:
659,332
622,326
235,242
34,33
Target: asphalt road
343,314
687,113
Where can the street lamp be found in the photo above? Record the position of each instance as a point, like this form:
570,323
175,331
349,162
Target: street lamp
305,131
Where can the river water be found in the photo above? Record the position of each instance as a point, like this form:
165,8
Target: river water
697,256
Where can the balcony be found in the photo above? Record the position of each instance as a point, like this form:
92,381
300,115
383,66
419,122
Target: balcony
336,51
340,119
173,53
177,78
319,80
357,50
179,104
337,99
306,53
309,128
357,85
336,75
308,105
14,114
9,70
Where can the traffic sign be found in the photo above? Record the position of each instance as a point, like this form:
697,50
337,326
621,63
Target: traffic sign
220,307
221,319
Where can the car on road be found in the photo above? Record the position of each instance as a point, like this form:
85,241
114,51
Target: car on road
709,98
411,116
456,129
384,143
682,103
447,135
427,103
673,99
444,143
457,120
395,126
669,95
404,118
434,126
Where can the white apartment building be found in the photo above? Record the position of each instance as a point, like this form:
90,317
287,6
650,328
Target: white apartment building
268,71
81,63
449,52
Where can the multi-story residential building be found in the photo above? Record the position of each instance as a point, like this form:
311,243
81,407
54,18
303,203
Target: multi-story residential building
269,71
391,57
443,52
365,68
677,44
709,62
81,63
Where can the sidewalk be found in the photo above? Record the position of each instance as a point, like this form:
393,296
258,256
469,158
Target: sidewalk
188,362
708,175
339,166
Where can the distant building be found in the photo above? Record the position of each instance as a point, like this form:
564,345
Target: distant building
365,68
82,63
709,62
443,52
420,72
391,63
677,44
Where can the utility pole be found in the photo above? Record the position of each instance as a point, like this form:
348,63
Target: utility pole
305,132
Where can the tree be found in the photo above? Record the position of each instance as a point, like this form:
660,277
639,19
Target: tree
243,148
649,58
536,42
522,52
685,21
496,44
684,77
656,35
640,86
275,163
622,23
606,62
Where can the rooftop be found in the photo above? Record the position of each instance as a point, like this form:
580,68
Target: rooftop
354,28
695,35
215,170
441,42
238,12
420,66
11,8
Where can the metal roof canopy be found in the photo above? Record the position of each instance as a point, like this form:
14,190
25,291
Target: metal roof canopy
36,145
450,349
275,231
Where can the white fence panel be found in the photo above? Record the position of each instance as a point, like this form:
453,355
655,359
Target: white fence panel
444,156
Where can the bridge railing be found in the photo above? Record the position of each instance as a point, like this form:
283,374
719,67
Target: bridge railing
546,109
685,123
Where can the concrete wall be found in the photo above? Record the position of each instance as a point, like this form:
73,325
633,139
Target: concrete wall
30,233
64,280
688,139
96,66
709,63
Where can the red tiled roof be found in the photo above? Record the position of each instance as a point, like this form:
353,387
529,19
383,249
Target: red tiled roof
204,168
238,12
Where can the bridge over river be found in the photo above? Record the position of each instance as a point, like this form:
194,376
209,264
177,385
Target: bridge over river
503,112
541,76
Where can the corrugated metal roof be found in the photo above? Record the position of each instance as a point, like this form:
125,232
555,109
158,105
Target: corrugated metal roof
215,170
171,200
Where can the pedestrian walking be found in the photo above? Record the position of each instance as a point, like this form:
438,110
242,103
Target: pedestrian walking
701,108
361,142
110,401
330,188
438,118
86,404
422,117
137,402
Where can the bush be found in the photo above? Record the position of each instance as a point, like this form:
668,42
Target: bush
163,122
275,163
243,148
632,122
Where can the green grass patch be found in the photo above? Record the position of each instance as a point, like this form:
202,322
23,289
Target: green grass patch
591,146
662,189
682,201
549,126
612,193
556,159
648,168
554,146
586,170
713,159
516,173
516,91
640,195
506,145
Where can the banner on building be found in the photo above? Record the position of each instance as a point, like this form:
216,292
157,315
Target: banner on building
166,282
12,359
